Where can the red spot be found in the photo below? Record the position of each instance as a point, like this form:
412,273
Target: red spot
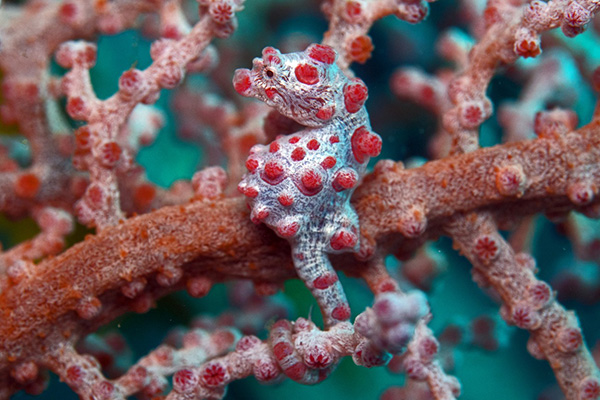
27,186
221,12
472,116
265,370
540,293
325,281
415,369
590,389
524,317
313,144
510,180
144,195
355,95
184,381
110,152
95,195
273,147
270,92
247,342
427,94
298,154
491,15
428,348
580,193
401,80
251,165
28,91
68,11
583,197
296,372
343,239
353,10
25,373
251,192
569,340
282,324
528,48
271,59
344,179
269,50
259,215
307,74
198,286
105,390
312,182
294,140
88,308
328,162
75,375
325,113
241,81
281,350
341,313
576,15
318,358
288,230
285,200
361,48
83,141
214,375
130,81
142,304
486,248
76,108
322,53
171,32
388,286
273,171
138,375
223,339
365,143
87,57
334,139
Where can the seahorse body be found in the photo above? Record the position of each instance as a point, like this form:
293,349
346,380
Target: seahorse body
300,185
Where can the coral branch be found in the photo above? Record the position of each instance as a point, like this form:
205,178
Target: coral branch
215,239
528,303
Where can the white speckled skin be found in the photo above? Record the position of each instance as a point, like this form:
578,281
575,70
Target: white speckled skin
293,185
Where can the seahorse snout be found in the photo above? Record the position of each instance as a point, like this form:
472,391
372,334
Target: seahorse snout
242,81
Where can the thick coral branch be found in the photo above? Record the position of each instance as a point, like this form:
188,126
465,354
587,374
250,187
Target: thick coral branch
552,174
128,266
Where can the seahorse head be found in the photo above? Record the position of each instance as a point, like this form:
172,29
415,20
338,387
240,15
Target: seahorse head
306,86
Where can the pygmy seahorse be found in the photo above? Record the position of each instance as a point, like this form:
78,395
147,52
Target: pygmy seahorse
300,184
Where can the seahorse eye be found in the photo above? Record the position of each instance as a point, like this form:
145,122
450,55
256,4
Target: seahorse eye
269,73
